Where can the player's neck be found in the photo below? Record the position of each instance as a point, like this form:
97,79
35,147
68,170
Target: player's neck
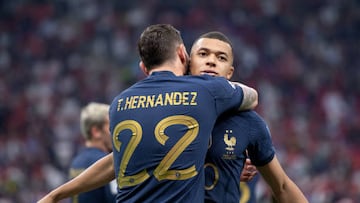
176,70
98,145
174,66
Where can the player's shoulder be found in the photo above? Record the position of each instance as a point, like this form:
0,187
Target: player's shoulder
215,85
251,116
89,154
204,79
257,123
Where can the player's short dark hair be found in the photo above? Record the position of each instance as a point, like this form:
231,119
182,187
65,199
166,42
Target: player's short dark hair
158,44
216,35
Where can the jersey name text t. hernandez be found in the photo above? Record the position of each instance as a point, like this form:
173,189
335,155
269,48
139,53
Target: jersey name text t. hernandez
150,101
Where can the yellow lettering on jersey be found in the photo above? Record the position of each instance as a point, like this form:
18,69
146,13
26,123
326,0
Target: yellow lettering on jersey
193,100
168,99
177,98
135,100
119,104
142,100
151,101
185,98
128,103
159,100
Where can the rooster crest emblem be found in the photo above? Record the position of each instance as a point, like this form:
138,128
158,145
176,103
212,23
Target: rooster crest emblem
229,142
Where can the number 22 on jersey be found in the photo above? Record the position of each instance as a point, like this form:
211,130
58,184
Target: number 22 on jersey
162,171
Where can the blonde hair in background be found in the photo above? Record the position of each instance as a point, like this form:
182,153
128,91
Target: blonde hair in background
93,114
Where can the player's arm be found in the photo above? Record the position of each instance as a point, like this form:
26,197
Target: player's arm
283,188
97,175
250,100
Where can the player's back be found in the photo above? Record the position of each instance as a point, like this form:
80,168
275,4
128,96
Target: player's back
161,127
85,158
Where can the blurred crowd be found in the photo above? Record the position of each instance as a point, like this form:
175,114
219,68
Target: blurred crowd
302,56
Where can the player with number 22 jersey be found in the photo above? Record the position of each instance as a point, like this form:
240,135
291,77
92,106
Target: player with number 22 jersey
161,127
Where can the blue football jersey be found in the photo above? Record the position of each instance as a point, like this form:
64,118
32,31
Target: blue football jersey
161,128
232,135
86,157
247,190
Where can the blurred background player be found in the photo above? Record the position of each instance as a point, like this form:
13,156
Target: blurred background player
94,125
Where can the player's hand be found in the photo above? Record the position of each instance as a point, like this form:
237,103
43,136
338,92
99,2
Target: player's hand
248,172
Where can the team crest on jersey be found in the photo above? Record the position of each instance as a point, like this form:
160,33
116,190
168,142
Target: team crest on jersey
230,142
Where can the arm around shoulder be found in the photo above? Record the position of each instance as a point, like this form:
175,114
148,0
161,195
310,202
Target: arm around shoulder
250,100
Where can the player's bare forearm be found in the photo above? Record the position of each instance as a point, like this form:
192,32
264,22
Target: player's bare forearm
97,175
100,174
283,188
250,100
291,193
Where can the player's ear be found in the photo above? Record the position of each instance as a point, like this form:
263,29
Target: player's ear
94,132
143,68
230,73
183,55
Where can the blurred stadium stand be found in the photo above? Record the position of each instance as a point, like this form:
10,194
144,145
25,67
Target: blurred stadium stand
302,56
